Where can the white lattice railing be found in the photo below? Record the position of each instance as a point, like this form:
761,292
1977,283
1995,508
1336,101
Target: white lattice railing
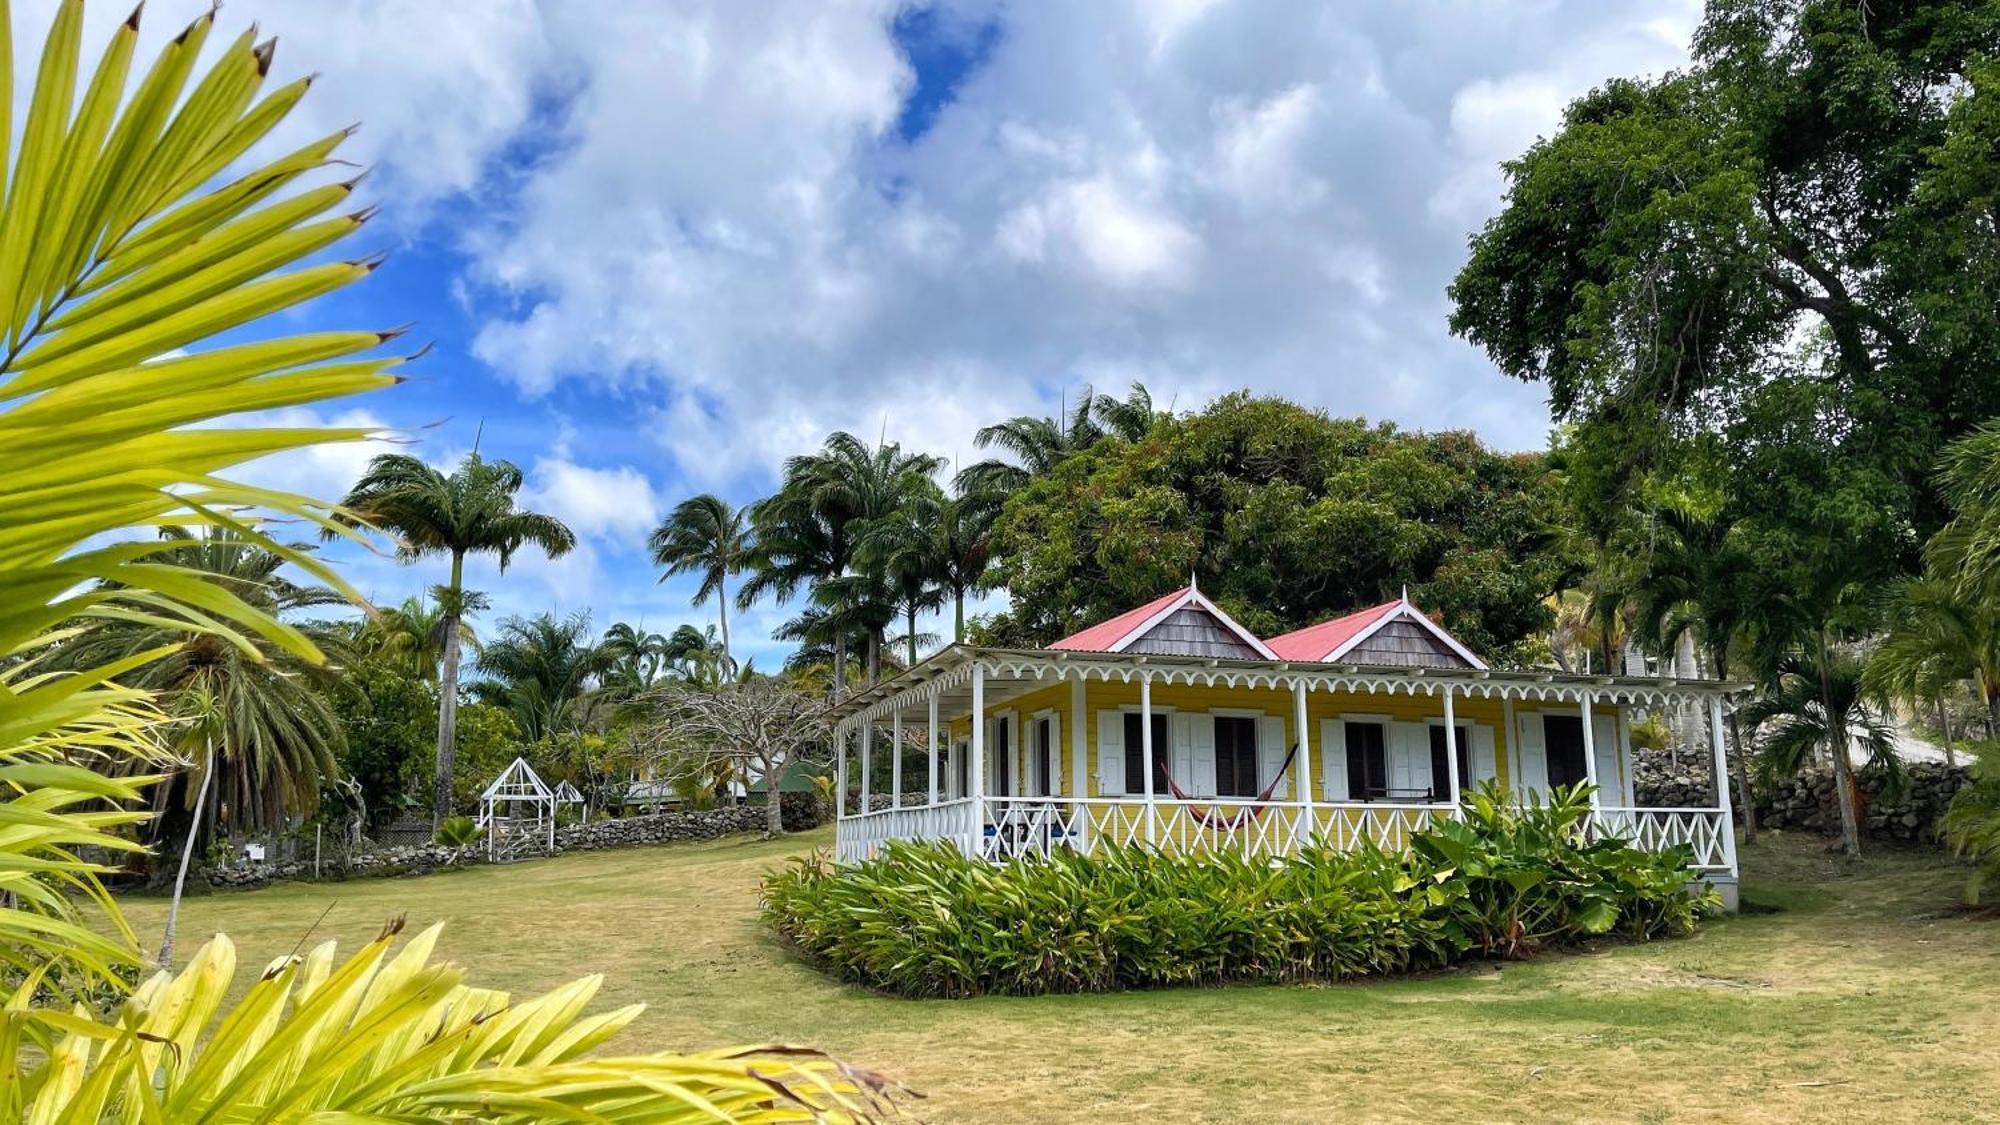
1013,827
1708,831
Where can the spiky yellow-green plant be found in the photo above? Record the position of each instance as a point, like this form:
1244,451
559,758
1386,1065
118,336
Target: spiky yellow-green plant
133,231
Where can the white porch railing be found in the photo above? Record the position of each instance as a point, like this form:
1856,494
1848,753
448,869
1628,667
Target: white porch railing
1013,827
861,835
1708,831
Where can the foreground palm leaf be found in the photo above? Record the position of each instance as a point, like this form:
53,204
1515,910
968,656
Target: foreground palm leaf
133,231
387,1038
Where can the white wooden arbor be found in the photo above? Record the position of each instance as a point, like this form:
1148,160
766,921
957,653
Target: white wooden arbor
518,812
567,794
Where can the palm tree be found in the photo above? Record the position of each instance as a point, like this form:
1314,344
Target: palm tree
1968,548
411,635
275,736
709,535
467,512
1037,445
636,656
1692,582
539,668
805,533
1131,418
906,549
1818,704
1938,637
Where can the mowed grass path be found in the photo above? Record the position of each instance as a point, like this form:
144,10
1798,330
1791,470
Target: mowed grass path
1865,997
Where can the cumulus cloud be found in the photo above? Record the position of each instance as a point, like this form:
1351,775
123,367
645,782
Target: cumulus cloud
616,502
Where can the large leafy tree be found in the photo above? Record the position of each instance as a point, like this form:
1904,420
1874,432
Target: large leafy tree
709,536
468,511
119,246
1287,517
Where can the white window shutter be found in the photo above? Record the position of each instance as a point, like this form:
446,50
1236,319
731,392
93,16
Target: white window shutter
1271,751
1055,755
1111,753
1200,778
1333,759
1534,755
1409,757
1484,767
1604,740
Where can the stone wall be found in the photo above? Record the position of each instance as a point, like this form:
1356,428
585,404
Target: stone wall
1806,801
799,810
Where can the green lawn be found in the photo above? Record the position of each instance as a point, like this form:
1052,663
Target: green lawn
1864,996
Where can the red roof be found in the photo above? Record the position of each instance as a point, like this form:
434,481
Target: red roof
1314,642
1101,636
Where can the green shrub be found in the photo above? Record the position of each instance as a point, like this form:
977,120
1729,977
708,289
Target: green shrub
924,920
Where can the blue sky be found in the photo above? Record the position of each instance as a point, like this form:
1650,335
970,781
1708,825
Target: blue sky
660,246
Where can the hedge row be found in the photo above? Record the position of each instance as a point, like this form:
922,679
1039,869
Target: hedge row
922,920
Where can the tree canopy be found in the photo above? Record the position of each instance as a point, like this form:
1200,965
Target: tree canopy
1785,254
1286,517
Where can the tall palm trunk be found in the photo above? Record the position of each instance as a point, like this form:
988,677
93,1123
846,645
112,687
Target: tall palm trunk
839,665
958,625
187,854
1944,732
447,737
910,637
722,611
874,656
1843,768
1719,657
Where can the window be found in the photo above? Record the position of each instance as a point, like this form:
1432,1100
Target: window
1042,766
1235,756
1563,736
1003,764
1135,756
1440,774
1367,761
961,754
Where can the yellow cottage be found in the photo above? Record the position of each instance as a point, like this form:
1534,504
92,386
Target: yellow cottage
1174,726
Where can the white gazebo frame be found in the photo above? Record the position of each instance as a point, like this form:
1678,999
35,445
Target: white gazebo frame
507,831
567,794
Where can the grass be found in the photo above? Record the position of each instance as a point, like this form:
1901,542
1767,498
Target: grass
1862,996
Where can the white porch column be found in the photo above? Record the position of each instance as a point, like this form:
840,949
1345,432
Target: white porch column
867,758
931,759
1146,754
1590,753
840,776
1079,745
1302,764
896,759
1451,749
1722,781
1516,785
975,778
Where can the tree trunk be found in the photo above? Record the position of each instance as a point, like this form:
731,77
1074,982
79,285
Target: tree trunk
839,665
1992,694
187,855
447,736
874,657
774,801
958,626
1843,769
1745,799
722,611
910,638
1944,732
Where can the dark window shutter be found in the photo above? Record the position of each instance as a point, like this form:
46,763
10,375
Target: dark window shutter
1440,767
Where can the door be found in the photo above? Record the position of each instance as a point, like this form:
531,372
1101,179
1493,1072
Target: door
1562,740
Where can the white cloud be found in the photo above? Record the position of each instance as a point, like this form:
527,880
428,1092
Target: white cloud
616,503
